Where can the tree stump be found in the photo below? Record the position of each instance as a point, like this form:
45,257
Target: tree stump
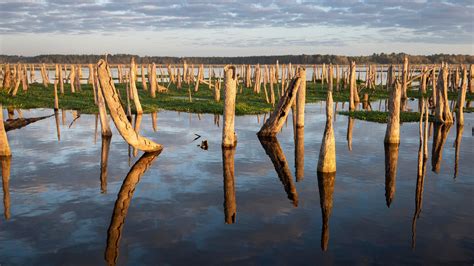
274,124
4,147
327,154
230,91
392,135
118,114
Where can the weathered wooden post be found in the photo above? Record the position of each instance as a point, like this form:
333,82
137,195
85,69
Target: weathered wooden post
229,139
471,78
405,71
90,79
443,113
72,78
56,80
461,98
180,80
7,77
142,72
217,90
327,154
353,96
133,86
4,147
104,121
152,80
230,206
301,98
392,135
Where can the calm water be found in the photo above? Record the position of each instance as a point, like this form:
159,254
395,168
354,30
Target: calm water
177,207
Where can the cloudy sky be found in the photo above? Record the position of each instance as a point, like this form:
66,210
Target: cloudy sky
236,27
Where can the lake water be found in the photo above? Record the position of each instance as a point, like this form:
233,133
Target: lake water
178,207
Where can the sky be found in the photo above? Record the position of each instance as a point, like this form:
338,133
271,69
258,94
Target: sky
236,27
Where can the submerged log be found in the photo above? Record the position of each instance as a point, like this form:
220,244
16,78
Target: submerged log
274,124
327,154
118,114
230,91
326,190
391,162
230,207
392,135
273,150
12,124
122,204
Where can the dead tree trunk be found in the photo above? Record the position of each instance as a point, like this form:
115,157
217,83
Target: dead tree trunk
229,139
301,98
443,113
152,80
327,154
274,124
4,147
118,114
352,86
133,86
392,135
461,98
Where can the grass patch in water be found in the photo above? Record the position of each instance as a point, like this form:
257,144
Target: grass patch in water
382,117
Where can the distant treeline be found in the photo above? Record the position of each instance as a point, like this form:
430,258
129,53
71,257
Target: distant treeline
283,59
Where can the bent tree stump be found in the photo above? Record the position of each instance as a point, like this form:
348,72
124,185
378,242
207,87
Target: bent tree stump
274,124
118,114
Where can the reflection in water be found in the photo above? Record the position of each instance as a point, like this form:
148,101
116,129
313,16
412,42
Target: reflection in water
58,130
230,208
6,163
138,122
104,158
326,190
154,124
273,149
439,138
12,124
122,203
299,153
457,145
420,179
350,126
391,160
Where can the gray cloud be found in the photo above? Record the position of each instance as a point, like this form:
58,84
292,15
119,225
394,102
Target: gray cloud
425,21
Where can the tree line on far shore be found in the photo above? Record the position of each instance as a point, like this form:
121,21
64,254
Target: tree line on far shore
382,58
